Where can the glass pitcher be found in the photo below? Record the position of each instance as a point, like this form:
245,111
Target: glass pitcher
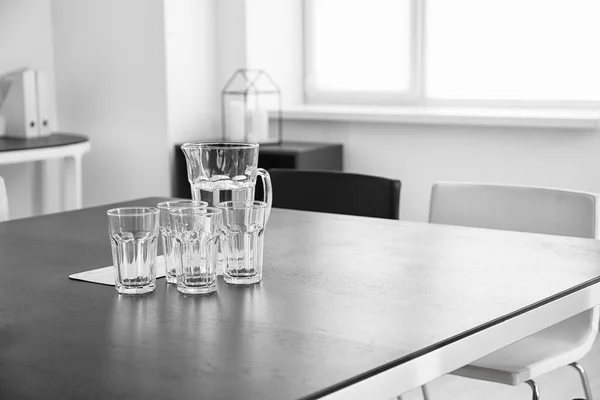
225,172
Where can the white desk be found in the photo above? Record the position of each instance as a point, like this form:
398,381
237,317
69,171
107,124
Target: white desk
68,147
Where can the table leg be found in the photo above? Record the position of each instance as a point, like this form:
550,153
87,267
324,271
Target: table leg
72,183
40,190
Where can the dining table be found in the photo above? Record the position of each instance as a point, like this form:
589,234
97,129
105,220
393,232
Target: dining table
348,308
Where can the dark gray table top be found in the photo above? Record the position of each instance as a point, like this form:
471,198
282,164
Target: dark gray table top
55,139
342,297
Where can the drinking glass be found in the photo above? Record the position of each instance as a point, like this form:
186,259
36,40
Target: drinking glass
197,232
170,248
133,235
242,238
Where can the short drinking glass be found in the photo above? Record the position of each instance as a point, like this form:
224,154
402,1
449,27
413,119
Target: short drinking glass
133,235
197,232
243,236
170,248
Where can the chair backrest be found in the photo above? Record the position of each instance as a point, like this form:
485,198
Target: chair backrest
3,201
515,208
336,192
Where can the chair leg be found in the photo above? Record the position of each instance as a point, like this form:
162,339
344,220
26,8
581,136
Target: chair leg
534,388
587,390
425,392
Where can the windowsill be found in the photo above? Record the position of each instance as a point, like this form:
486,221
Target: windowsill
576,119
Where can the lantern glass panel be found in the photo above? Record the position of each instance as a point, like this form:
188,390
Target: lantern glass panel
251,108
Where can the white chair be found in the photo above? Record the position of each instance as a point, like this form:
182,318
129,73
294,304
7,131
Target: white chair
3,201
535,210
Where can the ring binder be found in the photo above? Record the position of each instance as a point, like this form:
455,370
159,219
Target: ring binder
44,118
25,104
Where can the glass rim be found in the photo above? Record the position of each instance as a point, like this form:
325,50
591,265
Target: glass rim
140,211
165,205
221,145
192,210
230,205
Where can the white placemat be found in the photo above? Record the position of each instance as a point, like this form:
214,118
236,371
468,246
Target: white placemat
106,276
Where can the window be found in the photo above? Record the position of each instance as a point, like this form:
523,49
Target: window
460,51
341,38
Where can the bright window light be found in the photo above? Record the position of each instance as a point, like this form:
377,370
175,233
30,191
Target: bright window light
512,50
359,45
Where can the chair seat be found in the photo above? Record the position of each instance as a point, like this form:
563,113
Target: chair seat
545,351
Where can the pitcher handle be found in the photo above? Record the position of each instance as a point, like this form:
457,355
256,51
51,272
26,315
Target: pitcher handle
268,191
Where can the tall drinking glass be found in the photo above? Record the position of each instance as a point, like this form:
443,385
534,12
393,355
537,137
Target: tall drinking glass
170,248
243,238
197,232
133,235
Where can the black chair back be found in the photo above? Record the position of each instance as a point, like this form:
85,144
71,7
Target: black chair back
336,192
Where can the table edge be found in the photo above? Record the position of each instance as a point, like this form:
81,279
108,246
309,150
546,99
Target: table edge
81,139
444,343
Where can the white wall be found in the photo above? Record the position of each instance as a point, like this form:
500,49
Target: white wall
191,52
26,41
419,155
193,101
231,38
261,34
110,79
274,43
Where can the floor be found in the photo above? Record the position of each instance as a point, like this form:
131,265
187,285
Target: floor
563,384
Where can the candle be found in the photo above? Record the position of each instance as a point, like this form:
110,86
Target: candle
235,121
259,124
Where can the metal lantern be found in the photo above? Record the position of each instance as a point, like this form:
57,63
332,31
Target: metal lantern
249,100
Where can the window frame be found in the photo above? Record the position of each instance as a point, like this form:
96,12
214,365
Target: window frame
416,93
